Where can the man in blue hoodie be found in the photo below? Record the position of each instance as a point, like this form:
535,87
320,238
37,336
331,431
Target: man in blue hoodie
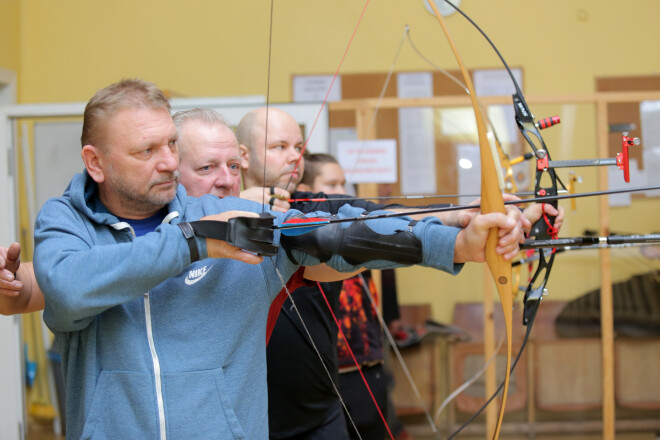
160,338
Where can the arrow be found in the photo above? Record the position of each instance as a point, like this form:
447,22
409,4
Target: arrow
311,223
413,197
613,240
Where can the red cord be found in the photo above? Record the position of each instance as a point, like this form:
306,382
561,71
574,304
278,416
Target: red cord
327,94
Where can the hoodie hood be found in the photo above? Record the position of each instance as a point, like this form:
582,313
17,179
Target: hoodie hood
83,192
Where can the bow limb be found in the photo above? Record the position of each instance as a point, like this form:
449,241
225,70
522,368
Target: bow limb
491,201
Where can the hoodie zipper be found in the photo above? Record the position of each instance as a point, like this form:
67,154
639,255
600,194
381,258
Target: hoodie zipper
156,362
150,335
152,349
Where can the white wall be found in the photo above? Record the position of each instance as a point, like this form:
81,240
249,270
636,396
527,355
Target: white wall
51,137
12,406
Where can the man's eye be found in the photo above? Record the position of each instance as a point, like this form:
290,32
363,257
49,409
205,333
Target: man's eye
234,166
173,145
205,169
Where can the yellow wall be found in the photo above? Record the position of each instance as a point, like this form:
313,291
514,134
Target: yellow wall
9,36
71,48
209,48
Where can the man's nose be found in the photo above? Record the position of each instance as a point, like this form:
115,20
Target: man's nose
293,154
168,160
222,177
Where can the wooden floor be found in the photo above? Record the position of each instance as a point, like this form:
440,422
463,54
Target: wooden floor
44,431
39,430
422,432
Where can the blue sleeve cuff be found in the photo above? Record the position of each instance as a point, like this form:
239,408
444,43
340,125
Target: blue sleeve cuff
201,247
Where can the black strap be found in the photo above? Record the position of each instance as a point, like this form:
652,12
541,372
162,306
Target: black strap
210,229
189,233
253,234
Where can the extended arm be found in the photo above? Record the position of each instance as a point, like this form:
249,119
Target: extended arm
19,291
390,240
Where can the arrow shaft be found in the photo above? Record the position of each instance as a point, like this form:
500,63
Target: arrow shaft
614,240
463,207
412,197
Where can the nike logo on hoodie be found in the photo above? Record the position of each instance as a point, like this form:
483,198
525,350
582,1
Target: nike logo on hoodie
196,274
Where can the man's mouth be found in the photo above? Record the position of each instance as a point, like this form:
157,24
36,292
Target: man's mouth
166,183
220,193
169,181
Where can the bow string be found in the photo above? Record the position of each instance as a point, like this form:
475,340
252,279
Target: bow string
320,223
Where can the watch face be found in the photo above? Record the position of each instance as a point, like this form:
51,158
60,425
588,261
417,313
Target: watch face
443,7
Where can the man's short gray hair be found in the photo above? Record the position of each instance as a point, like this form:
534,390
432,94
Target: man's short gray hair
127,93
206,115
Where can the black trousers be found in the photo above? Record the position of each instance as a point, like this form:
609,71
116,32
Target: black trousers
334,428
360,406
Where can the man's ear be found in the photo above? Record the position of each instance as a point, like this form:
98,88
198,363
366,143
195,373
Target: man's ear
304,187
93,159
244,152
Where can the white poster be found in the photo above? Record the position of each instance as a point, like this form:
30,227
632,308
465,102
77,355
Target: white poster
368,161
416,136
417,151
314,88
650,143
469,171
414,85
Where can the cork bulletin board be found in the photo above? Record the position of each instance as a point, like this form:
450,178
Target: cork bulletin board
386,126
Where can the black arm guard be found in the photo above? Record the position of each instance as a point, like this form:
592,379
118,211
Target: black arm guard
357,244
253,234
